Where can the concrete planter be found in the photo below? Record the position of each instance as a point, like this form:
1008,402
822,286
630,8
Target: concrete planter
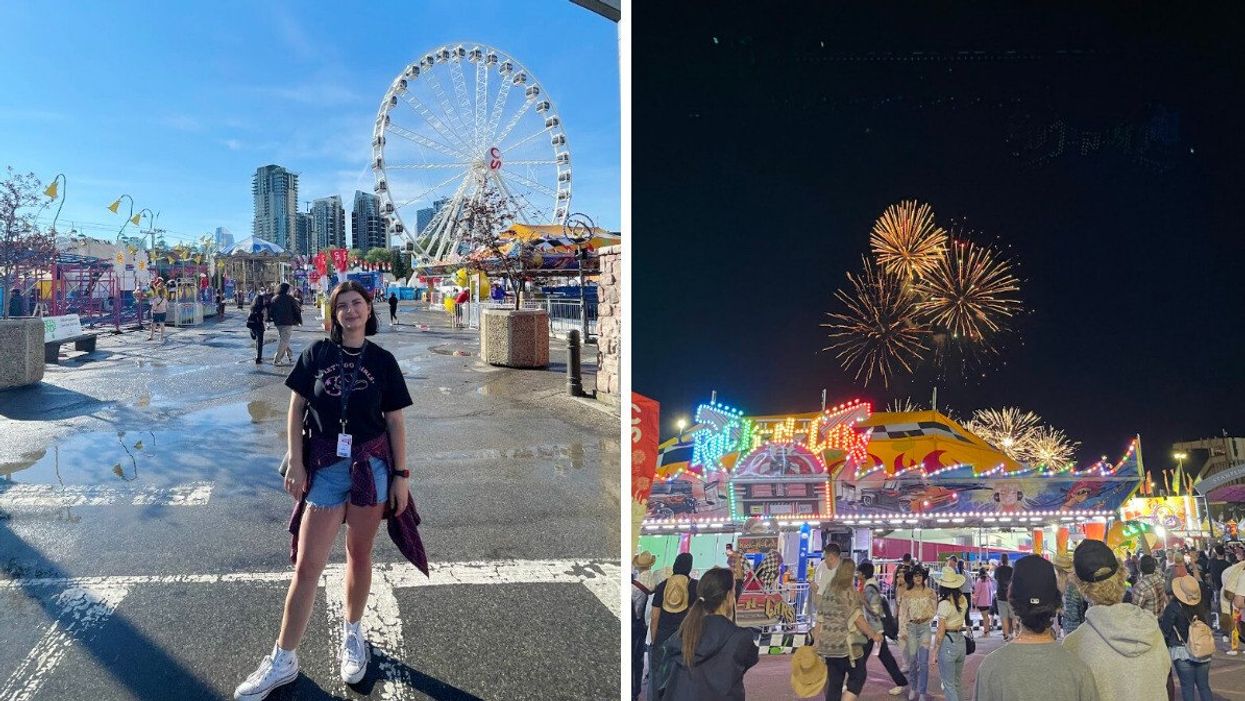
21,352
515,338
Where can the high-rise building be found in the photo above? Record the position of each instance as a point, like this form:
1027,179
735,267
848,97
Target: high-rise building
366,226
423,217
329,222
224,238
276,202
304,238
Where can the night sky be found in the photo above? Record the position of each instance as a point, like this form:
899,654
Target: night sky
1103,151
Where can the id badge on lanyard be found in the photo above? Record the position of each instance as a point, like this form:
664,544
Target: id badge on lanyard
344,439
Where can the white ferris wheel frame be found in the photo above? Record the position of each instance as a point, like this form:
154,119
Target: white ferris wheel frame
470,145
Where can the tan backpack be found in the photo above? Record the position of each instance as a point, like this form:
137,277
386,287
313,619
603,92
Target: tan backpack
1201,642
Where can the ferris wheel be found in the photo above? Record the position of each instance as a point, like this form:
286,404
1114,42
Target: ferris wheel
462,120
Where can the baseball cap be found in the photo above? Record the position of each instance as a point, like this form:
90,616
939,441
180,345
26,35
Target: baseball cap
1094,561
1033,583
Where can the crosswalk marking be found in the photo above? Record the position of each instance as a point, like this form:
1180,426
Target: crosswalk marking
82,608
88,602
47,495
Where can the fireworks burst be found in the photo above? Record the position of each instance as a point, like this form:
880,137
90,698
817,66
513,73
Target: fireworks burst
1050,447
970,293
1009,429
879,333
904,406
906,241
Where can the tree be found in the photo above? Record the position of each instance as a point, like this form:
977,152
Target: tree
356,254
484,221
378,255
402,267
24,248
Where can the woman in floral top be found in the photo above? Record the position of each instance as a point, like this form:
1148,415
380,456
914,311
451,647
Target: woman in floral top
916,610
840,635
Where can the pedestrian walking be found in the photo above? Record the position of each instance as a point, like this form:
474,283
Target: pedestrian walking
948,650
1074,603
393,308
351,469
875,615
1148,592
220,305
1003,578
1034,667
709,655
917,608
641,592
983,599
736,562
1120,642
285,313
256,322
159,311
460,308
1182,633
17,303
671,600
840,634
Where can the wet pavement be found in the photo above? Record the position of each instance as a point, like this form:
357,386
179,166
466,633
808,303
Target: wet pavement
143,542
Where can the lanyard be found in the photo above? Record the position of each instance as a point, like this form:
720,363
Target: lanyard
348,383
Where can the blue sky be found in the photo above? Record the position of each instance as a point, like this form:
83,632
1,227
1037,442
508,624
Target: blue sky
177,105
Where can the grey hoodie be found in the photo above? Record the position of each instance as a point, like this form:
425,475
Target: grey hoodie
1123,647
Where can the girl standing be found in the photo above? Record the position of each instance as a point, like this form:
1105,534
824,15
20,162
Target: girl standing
949,638
159,311
841,633
709,654
983,598
917,608
349,469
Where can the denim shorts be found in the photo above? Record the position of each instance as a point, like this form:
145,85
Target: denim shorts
331,484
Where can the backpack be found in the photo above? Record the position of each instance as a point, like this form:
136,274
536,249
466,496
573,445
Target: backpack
1201,642
890,626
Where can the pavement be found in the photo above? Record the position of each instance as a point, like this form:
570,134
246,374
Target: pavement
770,679
144,551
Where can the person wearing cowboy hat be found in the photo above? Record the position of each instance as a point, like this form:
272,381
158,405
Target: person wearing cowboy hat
1186,606
1074,603
1119,642
641,589
671,600
947,649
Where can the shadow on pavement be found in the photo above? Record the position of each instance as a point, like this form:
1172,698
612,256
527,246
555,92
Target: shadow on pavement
44,402
136,678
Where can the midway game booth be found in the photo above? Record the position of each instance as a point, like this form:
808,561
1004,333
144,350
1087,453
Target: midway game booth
878,484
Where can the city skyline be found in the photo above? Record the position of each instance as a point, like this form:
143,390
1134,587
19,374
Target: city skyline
182,122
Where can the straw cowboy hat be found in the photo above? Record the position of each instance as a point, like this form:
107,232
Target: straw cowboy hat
951,579
644,560
1187,590
675,598
808,672
1063,561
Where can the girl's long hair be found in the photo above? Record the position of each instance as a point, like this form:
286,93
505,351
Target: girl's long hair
714,587
952,595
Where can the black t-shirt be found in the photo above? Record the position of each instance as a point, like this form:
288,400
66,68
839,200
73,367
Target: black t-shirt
379,387
668,623
1002,577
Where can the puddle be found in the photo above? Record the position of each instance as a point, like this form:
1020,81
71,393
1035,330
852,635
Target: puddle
23,462
573,454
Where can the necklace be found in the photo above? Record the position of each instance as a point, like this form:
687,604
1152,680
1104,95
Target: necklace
347,351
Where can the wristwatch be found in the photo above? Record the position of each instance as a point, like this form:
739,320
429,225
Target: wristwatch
402,473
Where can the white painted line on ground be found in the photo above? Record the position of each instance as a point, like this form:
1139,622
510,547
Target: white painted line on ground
83,608
46,495
333,581
401,575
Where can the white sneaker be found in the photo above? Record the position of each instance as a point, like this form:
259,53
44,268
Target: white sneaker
897,690
354,653
274,670
1233,652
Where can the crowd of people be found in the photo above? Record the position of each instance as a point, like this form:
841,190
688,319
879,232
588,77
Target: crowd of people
1087,625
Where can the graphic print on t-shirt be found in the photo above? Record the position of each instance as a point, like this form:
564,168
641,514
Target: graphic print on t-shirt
332,378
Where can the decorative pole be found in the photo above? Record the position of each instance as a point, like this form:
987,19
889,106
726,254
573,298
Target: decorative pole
129,218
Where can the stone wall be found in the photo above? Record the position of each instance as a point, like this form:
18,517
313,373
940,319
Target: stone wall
609,324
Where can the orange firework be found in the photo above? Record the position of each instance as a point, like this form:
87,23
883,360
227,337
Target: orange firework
971,293
879,332
906,241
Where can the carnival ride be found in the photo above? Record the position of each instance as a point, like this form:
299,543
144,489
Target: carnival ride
435,152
